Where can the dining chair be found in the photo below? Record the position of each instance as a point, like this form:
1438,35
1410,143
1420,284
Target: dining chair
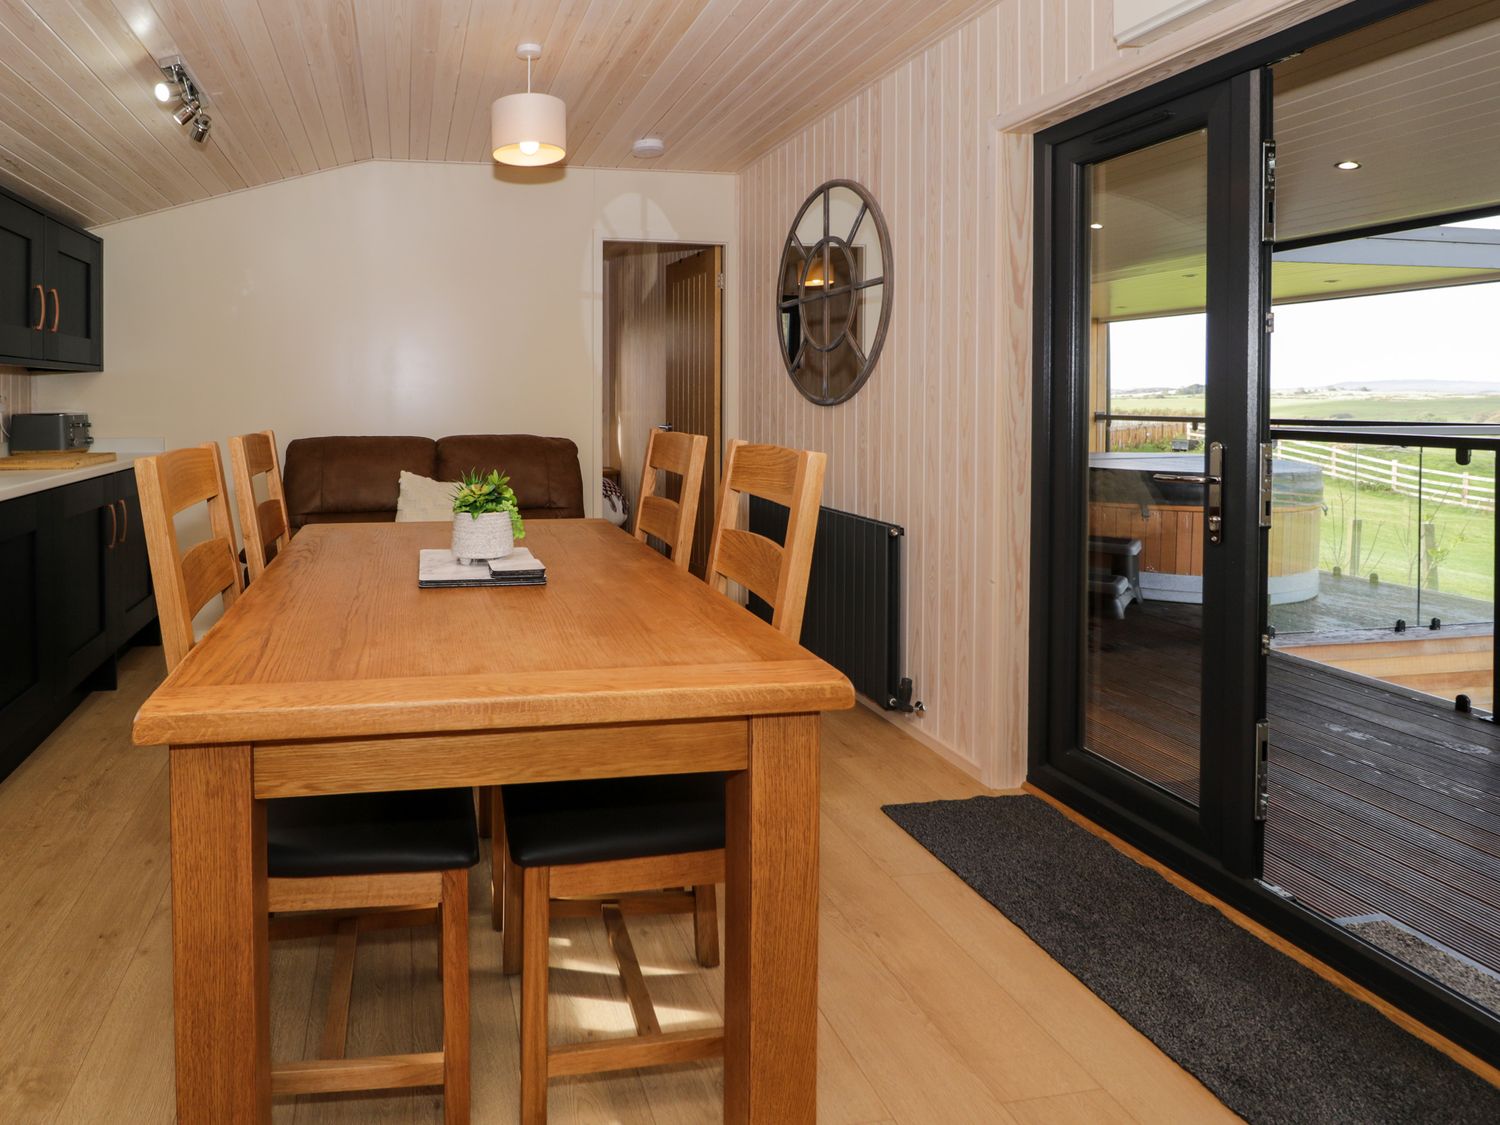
607,848
264,524
338,864
671,521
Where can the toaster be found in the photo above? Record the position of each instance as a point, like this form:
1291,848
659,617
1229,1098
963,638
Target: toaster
30,433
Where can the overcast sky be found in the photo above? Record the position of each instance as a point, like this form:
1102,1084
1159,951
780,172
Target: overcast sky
1449,334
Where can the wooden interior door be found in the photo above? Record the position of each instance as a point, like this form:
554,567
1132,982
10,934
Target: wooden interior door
694,375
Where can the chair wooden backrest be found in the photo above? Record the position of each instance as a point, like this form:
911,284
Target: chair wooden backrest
672,521
777,574
264,525
186,581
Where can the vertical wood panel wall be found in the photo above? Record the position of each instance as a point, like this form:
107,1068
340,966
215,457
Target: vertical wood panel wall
939,439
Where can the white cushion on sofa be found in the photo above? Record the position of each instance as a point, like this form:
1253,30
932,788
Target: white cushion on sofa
423,500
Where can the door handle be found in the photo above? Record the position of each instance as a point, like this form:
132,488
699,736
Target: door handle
114,527
1187,478
124,522
41,311
1213,480
56,309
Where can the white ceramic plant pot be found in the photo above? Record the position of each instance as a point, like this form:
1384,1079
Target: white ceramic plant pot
476,538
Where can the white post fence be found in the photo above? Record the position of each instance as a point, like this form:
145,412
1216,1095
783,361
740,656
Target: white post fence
1465,489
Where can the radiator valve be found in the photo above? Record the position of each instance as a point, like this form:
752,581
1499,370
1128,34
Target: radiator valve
902,700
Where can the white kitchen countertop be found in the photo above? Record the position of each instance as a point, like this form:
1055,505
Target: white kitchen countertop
14,485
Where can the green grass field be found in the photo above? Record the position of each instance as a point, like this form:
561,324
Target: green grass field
1393,543
1351,407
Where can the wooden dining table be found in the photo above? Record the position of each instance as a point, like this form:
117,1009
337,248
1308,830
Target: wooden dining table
335,673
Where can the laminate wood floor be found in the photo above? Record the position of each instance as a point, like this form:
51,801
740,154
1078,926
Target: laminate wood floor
934,1008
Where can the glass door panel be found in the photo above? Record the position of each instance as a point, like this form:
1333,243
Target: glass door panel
1147,246
1151,679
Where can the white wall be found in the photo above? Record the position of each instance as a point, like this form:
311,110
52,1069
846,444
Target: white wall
381,298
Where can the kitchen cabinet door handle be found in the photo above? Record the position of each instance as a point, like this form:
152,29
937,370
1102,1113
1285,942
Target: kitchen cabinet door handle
114,527
56,309
41,311
124,522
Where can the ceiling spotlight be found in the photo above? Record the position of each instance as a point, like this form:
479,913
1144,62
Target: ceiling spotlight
648,148
175,80
201,125
1096,226
1347,165
186,112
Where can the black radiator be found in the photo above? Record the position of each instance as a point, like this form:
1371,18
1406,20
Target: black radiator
853,618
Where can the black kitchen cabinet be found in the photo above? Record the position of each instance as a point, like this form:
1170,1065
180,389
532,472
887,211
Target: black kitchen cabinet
24,683
23,233
127,579
77,615
51,291
75,588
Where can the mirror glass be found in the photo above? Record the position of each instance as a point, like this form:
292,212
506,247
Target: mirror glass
832,299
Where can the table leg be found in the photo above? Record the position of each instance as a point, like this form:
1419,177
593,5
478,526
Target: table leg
219,941
771,927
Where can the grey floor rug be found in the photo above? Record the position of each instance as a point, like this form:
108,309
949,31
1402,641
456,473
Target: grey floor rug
1272,1039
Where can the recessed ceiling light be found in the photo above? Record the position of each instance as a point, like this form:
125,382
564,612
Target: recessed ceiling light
1347,165
648,148
1096,226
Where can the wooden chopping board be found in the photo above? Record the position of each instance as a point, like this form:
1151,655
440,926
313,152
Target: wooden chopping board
54,460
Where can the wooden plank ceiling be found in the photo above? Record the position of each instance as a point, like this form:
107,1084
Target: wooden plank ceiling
297,86
1415,99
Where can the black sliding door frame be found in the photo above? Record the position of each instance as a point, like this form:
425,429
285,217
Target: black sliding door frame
1223,824
1141,817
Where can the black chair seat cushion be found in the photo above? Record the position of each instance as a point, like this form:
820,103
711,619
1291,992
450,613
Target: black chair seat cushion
371,833
560,822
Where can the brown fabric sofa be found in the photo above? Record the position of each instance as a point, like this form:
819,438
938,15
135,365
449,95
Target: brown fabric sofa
357,479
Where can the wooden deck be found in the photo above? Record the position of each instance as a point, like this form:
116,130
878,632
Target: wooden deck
1346,604
1445,663
1381,801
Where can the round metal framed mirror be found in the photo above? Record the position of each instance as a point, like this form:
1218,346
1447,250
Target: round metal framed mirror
832,298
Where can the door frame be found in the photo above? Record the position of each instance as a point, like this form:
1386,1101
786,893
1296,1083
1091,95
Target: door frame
1462,1022
729,400
1223,823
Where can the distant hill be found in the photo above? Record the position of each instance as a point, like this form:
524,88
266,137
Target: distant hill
1414,386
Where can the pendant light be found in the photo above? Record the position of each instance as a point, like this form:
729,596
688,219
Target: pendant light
529,129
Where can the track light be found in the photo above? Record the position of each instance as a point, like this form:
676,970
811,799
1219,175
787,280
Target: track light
177,83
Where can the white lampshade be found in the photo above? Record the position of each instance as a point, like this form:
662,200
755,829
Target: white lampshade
529,129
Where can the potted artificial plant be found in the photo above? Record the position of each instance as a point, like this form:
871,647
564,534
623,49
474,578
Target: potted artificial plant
486,517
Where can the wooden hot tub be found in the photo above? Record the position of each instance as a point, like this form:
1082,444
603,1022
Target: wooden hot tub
1126,501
